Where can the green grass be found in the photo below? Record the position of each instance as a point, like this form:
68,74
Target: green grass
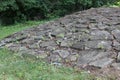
15,67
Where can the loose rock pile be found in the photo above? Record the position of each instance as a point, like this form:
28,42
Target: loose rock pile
86,38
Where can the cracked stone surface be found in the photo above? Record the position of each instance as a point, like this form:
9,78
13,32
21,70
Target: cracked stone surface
85,38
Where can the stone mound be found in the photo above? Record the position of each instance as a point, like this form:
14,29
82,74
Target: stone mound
85,39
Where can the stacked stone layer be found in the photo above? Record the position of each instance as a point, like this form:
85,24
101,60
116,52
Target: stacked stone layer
85,38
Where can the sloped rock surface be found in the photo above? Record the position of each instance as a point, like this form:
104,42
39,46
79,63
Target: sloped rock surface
90,38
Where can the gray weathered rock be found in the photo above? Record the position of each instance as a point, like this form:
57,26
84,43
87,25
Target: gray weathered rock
102,62
116,45
40,37
24,52
116,34
116,65
2,44
90,56
34,46
101,35
55,58
106,45
62,53
73,58
79,46
57,31
64,44
49,43
118,57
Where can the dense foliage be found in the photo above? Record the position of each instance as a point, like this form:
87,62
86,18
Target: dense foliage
12,11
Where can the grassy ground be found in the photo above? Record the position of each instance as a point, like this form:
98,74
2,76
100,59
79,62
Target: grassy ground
15,67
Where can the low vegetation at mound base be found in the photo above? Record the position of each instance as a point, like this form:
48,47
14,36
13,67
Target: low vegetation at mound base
16,67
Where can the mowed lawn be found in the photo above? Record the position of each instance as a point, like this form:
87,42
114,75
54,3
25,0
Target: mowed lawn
13,66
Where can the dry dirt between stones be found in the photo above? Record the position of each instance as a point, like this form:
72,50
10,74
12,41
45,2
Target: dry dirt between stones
88,40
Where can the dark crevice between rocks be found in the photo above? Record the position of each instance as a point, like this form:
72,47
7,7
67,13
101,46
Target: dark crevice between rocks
115,52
